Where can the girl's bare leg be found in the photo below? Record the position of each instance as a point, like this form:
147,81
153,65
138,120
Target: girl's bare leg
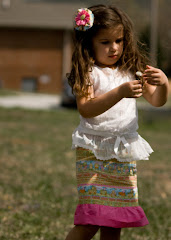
82,232
107,233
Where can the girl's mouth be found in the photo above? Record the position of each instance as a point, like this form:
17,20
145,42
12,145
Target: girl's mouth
113,56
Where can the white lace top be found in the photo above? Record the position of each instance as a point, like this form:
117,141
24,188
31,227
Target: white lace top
113,134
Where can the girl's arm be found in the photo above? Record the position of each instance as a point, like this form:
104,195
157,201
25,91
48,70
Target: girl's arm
156,88
92,107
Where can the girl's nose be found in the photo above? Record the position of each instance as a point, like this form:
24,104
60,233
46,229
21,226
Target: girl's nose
113,47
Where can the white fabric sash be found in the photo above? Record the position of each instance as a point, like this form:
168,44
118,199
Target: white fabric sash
118,142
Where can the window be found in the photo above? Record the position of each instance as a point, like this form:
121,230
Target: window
29,84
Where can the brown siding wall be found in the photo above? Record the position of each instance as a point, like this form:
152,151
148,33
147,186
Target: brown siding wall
26,53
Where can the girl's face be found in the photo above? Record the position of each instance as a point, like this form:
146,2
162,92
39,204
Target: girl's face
108,46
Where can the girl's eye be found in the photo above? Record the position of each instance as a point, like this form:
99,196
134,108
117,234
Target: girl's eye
105,42
119,40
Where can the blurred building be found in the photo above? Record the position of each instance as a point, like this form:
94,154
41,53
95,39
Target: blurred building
35,44
35,39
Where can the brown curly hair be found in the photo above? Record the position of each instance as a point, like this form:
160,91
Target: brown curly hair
105,17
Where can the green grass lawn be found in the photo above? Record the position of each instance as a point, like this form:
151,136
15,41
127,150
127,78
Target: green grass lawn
7,92
38,192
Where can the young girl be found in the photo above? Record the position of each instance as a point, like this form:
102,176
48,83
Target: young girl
104,64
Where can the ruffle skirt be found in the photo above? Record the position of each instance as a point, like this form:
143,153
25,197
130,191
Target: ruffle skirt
108,193
124,148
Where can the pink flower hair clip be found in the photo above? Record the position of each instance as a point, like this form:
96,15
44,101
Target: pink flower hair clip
84,19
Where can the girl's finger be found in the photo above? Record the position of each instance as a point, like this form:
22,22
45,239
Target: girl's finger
150,68
138,86
137,95
152,82
148,79
138,91
152,79
153,75
135,82
148,71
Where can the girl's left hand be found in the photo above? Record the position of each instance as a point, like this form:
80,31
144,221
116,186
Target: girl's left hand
154,76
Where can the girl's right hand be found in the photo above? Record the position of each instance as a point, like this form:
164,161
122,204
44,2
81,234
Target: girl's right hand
131,89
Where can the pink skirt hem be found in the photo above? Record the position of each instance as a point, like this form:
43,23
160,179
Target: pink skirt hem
116,217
